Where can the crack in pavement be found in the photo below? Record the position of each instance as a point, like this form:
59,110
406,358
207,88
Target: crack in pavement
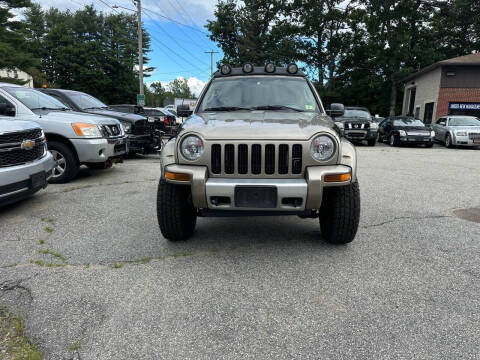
406,218
11,285
88,186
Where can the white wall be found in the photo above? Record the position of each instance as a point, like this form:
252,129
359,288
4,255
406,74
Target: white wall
18,74
428,87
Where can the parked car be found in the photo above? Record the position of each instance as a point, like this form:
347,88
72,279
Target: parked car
136,126
403,130
259,143
178,119
457,130
160,120
356,125
25,163
73,138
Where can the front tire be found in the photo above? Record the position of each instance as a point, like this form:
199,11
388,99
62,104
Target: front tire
66,162
448,141
175,212
340,213
372,142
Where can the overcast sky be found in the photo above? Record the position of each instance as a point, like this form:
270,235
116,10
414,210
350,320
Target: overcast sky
177,50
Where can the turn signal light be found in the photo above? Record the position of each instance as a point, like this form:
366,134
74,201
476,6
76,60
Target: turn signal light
337,177
177,176
165,120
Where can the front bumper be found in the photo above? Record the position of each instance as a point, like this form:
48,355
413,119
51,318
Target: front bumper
359,135
100,150
297,194
139,142
16,181
465,141
416,140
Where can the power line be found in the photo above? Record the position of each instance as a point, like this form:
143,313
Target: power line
175,21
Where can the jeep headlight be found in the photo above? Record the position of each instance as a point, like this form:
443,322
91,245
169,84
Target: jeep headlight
461,133
192,147
322,147
127,127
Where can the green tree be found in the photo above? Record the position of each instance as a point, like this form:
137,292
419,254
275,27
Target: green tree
13,53
179,88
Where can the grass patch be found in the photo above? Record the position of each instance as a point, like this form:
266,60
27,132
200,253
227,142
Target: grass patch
49,229
76,346
47,264
117,265
48,220
13,343
41,241
53,253
144,261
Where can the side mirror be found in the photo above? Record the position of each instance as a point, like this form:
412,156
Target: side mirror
184,110
336,110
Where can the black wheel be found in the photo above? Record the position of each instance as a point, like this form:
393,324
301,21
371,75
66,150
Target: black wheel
393,140
340,213
372,142
175,212
66,162
448,141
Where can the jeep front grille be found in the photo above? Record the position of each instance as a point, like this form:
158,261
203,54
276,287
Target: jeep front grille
256,159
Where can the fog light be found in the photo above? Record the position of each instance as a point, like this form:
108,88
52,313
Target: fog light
247,68
270,67
226,69
337,177
177,176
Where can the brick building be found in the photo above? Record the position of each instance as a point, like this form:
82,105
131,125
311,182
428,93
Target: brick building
448,87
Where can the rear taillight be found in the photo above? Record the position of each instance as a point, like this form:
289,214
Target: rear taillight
165,120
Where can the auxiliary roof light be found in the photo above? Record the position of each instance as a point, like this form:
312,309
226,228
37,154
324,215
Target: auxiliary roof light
270,67
226,69
247,68
292,68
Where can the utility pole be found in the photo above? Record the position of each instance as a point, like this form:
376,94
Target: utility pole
140,45
211,59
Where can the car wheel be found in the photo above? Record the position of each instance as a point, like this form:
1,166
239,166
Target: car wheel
176,214
66,163
448,141
393,140
340,213
372,142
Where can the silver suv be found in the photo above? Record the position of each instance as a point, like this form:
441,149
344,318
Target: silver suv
259,142
25,163
73,138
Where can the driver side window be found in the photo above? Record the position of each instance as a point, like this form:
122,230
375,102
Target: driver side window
6,107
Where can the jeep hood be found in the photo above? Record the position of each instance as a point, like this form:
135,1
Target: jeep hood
265,125
132,118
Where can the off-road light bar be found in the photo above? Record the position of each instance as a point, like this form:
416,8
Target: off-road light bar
226,69
292,68
247,68
270,67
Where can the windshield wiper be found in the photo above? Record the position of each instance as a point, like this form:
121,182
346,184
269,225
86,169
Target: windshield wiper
95,107
226,108
276,107
47,108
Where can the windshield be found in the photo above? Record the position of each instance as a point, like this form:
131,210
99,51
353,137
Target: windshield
35,100
359,113
259,93
85,101
408,122
464,121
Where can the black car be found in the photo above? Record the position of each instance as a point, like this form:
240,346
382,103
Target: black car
160,120
402,130
356,125
136,126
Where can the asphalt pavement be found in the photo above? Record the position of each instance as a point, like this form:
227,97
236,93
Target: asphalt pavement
87,268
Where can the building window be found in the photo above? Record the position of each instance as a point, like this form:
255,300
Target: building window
411,103
428,114
417,112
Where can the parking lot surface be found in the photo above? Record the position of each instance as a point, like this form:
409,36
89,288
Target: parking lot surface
87,268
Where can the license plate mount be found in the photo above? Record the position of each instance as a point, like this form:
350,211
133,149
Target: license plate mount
264,197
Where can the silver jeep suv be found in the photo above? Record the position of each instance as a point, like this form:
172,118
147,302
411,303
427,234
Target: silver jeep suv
259,142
